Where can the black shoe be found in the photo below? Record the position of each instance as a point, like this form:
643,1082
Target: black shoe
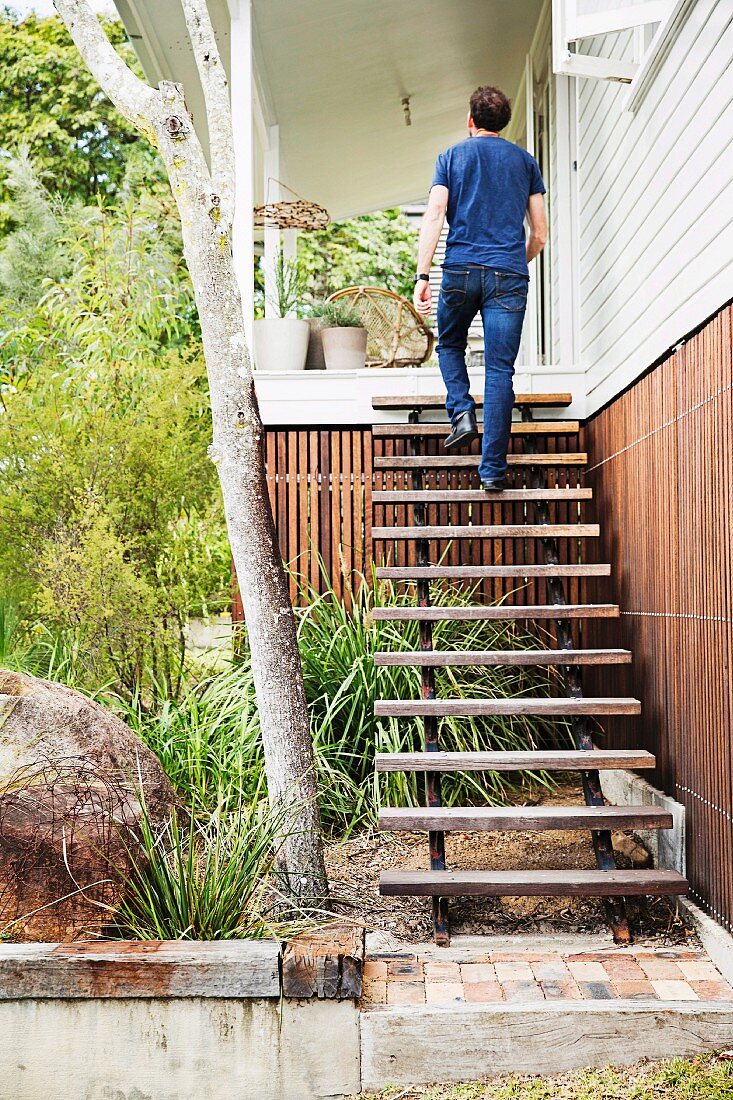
494,484
463,431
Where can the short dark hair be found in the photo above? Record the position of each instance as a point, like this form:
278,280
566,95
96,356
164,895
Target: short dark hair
490,108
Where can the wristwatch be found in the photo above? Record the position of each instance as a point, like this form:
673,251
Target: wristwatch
419,278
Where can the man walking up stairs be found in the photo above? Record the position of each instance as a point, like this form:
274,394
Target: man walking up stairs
485,185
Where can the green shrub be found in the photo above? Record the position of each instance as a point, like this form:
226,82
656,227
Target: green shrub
111,527
8,628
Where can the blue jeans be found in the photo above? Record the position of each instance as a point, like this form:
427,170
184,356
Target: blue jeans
502,300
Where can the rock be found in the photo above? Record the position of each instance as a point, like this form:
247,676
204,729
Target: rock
70,779
626,844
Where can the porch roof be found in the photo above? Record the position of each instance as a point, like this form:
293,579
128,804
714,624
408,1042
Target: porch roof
332,75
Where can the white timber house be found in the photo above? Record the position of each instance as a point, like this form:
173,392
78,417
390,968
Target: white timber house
625,103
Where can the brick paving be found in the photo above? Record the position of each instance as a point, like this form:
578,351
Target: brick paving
419,976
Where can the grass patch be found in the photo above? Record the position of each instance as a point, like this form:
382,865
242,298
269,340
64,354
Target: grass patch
707,1077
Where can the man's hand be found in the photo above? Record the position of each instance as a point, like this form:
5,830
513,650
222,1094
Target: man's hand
422,298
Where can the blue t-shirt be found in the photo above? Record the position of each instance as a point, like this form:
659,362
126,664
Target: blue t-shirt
489,182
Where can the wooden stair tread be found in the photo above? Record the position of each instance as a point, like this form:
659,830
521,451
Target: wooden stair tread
426,462
528,760
477,657
571,883
477,572
491,819
491,531
476,496
476,612
541,706
442,428
436,401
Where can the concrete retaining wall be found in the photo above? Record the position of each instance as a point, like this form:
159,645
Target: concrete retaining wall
667,846
178,1049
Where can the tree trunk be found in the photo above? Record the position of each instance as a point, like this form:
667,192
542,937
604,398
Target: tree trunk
205,206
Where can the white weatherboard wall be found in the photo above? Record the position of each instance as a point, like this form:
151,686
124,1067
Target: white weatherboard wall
655,201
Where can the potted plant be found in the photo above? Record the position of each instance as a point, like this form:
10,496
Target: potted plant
343,335
281,342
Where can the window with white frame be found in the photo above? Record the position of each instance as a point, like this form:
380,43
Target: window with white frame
574,21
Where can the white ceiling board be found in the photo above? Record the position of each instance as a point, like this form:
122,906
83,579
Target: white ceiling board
334,72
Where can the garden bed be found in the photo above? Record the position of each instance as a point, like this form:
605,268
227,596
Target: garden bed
354,866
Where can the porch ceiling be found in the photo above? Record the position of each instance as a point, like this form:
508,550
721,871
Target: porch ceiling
334,72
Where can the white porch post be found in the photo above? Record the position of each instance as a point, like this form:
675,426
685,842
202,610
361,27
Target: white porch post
532,320
565,252
241,98
271,192
290,244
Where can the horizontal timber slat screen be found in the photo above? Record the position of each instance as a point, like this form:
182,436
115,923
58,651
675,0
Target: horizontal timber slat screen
661,465
320,483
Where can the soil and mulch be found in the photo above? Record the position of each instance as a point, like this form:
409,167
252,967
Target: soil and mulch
707,1077
354,866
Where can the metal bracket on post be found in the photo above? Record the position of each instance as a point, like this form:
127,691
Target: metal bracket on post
602,843
441,927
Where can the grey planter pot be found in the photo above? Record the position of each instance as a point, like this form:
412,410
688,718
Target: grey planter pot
344,348
315,359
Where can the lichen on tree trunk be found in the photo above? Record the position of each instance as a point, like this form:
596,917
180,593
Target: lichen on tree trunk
205,200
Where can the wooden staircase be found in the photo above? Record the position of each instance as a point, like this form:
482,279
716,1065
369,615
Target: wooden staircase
406,448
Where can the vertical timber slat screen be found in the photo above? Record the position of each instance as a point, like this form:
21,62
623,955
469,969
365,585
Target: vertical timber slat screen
320,483
661,466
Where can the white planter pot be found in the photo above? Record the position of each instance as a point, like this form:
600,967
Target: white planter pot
344,348
281,343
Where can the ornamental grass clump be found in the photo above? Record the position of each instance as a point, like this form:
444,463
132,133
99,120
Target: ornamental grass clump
337,643
202,877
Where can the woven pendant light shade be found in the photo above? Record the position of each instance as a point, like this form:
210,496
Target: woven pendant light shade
295,213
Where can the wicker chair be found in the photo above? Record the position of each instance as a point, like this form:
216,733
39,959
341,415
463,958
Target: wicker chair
397,334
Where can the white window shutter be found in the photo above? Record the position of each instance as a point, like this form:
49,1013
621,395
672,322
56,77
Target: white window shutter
574,20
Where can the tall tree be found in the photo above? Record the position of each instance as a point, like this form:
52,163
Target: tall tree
205,199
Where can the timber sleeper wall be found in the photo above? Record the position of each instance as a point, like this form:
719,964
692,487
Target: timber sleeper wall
661,467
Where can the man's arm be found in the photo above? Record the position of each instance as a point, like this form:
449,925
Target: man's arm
430,229
537,226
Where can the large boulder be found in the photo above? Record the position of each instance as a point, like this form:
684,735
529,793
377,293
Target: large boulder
71,774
